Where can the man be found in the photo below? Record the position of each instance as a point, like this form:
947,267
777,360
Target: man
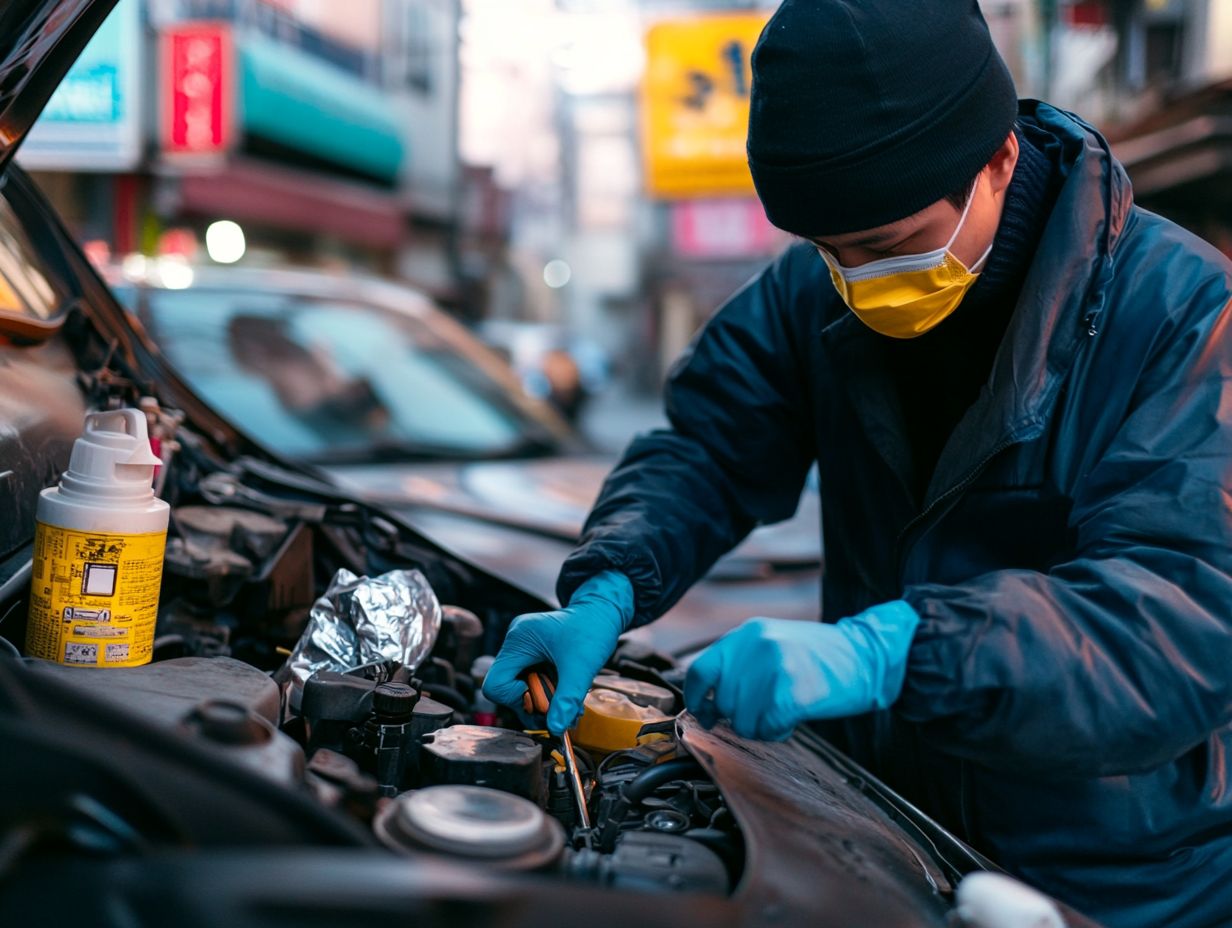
1018,389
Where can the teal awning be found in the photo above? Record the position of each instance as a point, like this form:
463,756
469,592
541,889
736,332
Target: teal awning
289,97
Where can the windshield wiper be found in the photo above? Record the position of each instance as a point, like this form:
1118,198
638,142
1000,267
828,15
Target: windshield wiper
407,452
529,446
383,452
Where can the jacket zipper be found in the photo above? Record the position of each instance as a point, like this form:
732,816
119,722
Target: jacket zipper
947,498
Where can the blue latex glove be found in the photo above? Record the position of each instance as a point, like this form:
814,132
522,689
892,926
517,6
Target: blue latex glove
578,640
769,675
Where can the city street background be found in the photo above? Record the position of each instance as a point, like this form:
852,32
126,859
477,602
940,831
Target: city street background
565,177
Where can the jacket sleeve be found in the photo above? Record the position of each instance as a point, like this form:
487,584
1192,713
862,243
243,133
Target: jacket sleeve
736,454
1120,659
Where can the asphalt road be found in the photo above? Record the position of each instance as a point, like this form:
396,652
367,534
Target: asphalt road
613,417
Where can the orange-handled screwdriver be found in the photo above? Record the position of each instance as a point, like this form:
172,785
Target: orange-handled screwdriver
539,693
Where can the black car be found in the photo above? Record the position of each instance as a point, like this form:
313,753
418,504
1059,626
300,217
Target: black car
367,384
190,791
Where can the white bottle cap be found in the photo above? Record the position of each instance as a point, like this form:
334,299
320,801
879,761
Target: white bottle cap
990,900
112,459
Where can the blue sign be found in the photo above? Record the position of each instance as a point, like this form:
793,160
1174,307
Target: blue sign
92,121
87,95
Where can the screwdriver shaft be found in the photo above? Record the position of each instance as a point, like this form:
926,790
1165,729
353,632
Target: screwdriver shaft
539,693
575,777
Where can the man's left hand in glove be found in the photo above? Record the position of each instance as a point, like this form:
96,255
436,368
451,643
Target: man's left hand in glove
769,675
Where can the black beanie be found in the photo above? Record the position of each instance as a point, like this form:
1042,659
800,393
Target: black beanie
866,111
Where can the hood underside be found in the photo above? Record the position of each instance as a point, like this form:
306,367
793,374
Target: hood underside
39,41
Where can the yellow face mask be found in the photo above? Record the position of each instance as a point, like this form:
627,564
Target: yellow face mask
905,296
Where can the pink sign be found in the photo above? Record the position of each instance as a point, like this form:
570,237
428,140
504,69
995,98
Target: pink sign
723,229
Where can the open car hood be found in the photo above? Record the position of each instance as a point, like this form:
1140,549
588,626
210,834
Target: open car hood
550,497
39,41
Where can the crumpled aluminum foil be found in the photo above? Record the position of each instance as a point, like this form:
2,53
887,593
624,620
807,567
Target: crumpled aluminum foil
363,620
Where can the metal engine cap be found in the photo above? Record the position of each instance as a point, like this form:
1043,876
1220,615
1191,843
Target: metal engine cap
473,822
394,700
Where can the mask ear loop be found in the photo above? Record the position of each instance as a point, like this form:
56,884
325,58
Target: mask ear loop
975,268
962,219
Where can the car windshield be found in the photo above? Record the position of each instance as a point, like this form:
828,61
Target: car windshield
335,381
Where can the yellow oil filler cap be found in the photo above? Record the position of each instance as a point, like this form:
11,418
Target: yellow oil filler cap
99,541
610,722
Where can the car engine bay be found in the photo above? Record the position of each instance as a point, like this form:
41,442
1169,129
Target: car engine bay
311,737
259,560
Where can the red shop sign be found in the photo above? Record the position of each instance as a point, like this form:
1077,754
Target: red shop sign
197,76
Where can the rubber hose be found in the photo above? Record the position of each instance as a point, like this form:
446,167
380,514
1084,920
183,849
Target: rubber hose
638,789
466,686
652,778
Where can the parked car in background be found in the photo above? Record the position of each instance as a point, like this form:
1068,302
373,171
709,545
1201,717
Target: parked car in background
369,384
335,369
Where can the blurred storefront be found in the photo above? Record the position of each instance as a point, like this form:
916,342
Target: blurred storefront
694,118
486,278
1179,158
326,132
89,145
1172,123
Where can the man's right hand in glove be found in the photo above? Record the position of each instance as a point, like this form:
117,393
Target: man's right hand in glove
577,640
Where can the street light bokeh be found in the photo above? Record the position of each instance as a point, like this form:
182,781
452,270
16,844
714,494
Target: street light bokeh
556,273
224,241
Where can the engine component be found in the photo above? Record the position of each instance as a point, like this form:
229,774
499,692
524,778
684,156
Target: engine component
480,667
217,573
218,548
167,691
387,743
649,861
620,801
359,620
282,591
669,821
249,533
334,702
337,781
561,803
485,710
242,572
247,738
460,637
394,701
429,716
227,722
493,757
472,822
611,721
647,695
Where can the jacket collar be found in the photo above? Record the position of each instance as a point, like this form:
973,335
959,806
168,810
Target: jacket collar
1057,310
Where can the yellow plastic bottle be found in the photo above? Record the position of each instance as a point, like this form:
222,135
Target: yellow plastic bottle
98,550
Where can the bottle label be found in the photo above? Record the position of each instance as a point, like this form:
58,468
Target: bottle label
94,596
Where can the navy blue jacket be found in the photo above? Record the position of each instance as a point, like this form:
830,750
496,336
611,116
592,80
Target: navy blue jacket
1068,699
